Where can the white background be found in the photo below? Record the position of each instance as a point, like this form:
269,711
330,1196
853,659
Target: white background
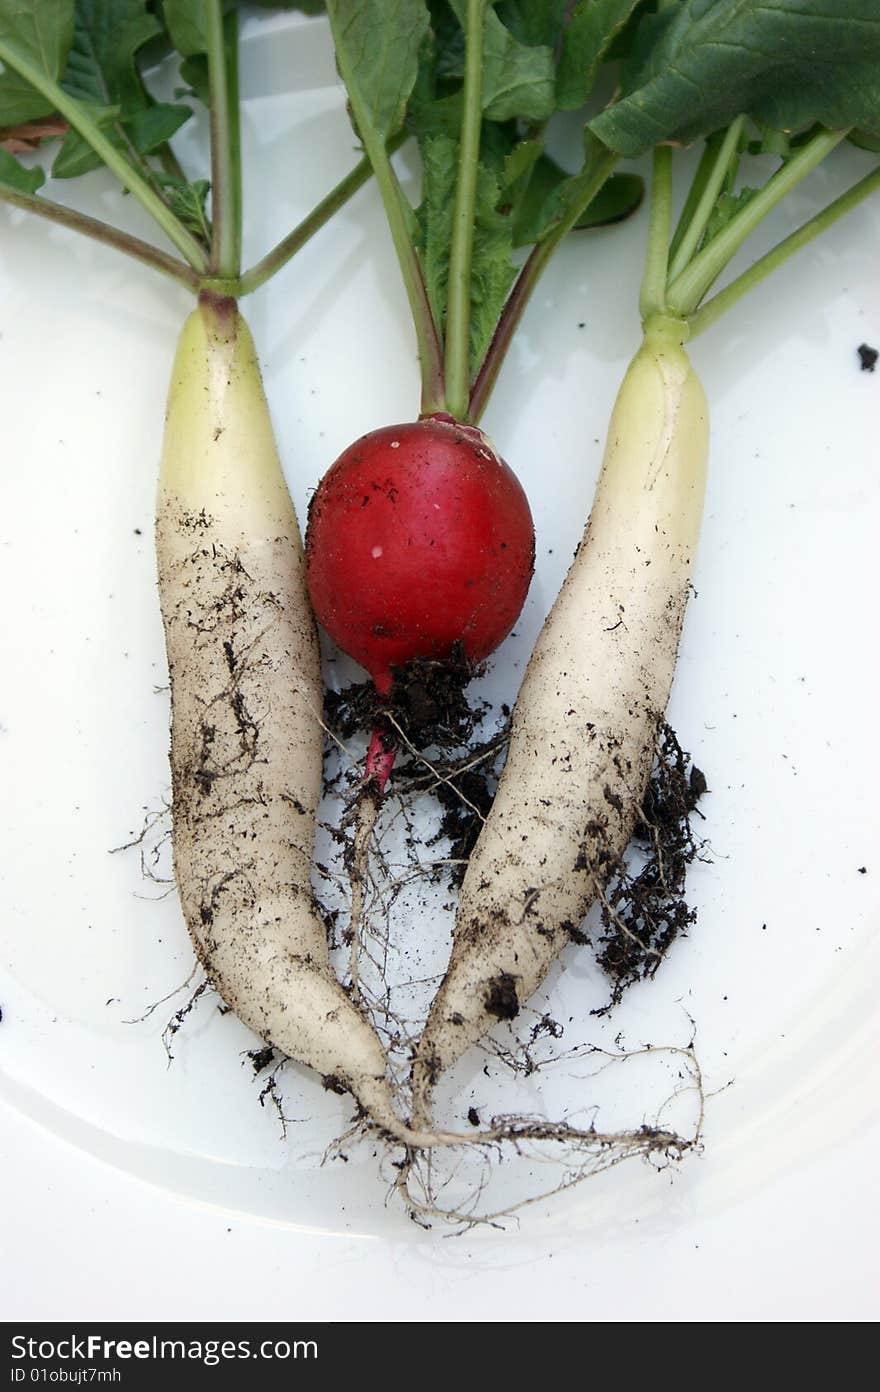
134,1190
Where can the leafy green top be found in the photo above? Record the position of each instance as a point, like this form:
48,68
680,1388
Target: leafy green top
74,71
684,70
480,84
788,63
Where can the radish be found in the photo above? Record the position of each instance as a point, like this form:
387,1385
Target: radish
583,731
246,702
478,83
419,538
420,545
586,720
242,645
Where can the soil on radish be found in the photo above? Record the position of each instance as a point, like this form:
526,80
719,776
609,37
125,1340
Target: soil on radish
643,905
867,357
427,705
261,1059
643,909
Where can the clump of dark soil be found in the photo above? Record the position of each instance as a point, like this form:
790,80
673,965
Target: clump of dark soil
501,998
867,357
427,703
643,908
429,712
466,796
465,789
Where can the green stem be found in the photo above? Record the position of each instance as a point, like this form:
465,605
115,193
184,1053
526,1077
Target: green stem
398,215
695,192
224,260
231,37
695,228
103,232
433,396
688,289
457,363
598,166
720,303
652,299
291,244
81,121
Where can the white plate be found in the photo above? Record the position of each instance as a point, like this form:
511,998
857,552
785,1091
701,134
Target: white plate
775,696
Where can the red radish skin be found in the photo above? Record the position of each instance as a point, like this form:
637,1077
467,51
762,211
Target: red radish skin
419,538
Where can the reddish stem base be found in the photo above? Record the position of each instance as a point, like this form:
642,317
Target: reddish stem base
380,761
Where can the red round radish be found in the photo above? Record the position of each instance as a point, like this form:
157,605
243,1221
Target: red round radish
419,538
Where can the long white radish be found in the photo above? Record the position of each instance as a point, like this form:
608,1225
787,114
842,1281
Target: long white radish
246,705
584,728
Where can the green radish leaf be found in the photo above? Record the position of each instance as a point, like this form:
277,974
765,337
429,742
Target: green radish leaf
864,140
14,175
102,74
439,117
377,49
788,63
39,32
188,202
308,7
187,25
520,161
154,125
618,198
434,216
19,101
518,79
145,131
492,273
544,202
534,22
446,37
76,156
552,195
100,66
194,71
593,27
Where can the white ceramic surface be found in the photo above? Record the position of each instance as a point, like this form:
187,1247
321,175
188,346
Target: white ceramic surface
135,1189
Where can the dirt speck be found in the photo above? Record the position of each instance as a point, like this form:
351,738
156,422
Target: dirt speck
501,998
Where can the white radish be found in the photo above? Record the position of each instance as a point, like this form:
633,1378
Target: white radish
246,708
583,731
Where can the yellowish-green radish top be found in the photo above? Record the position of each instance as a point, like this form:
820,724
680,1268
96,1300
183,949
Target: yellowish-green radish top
216,399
